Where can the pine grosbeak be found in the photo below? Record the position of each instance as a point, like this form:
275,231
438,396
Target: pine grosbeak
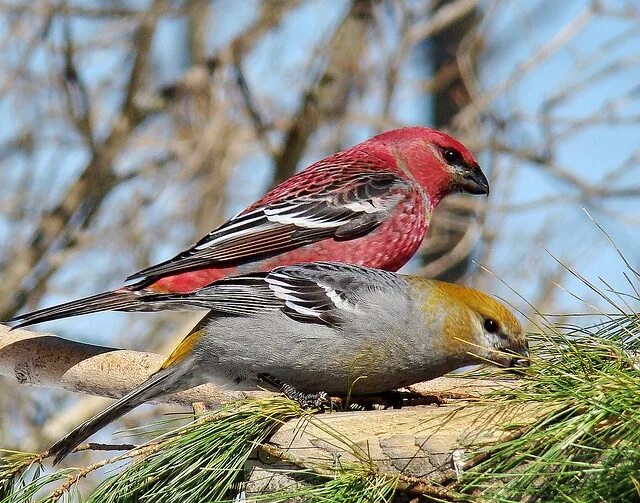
338,328
369,205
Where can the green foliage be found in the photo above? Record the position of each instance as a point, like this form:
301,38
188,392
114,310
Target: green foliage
12,466
22,476
204,462
349,487
586,448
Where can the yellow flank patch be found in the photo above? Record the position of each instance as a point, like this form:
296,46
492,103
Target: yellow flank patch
183,349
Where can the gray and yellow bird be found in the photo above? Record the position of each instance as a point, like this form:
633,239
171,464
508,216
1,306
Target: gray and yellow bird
328,327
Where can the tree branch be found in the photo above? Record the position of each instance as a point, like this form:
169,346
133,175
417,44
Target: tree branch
26,267
327,97
35,359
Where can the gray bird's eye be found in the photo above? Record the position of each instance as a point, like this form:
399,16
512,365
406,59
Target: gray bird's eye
491,326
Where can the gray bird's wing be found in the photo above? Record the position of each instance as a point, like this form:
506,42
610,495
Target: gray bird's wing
318,292
326,292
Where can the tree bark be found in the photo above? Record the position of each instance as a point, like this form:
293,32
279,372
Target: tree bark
46,360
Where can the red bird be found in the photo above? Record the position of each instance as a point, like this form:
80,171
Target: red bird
369,205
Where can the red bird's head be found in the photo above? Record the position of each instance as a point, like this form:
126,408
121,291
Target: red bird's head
441,164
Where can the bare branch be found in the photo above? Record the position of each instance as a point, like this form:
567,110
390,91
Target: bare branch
327,97
34,359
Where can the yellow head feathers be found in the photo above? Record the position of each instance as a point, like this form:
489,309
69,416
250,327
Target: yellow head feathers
487,307
470,318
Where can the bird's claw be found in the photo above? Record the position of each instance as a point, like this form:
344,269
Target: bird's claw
319,400
312,401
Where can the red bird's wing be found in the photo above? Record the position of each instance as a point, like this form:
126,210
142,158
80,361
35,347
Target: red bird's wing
345,212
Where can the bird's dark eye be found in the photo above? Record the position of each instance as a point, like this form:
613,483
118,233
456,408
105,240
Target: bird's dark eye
491,326
452,156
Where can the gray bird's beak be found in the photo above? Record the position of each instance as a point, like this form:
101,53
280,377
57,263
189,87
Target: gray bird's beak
521,360
472,181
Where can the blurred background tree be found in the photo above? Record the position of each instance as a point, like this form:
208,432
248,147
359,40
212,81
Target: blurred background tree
131,128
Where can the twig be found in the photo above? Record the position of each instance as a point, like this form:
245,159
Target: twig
450,476
93,446
71,481
327,96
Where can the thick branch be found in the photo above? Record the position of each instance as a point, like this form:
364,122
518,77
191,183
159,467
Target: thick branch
47,360
432,444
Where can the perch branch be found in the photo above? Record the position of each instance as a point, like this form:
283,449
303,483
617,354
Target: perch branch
34,359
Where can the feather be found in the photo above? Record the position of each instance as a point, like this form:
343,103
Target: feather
352,209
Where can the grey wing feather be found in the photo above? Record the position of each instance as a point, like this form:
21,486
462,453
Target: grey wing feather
326,292
318,292
239,295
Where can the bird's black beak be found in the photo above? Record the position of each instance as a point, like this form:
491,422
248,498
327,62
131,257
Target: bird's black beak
472,181
520,359
519,362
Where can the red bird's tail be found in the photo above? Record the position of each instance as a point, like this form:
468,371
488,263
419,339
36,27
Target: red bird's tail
117,300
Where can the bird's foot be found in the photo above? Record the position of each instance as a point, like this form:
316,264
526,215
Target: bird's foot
395,399
386,399
319,400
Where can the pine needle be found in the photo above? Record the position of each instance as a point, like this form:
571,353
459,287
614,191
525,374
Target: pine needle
587,447
204,462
